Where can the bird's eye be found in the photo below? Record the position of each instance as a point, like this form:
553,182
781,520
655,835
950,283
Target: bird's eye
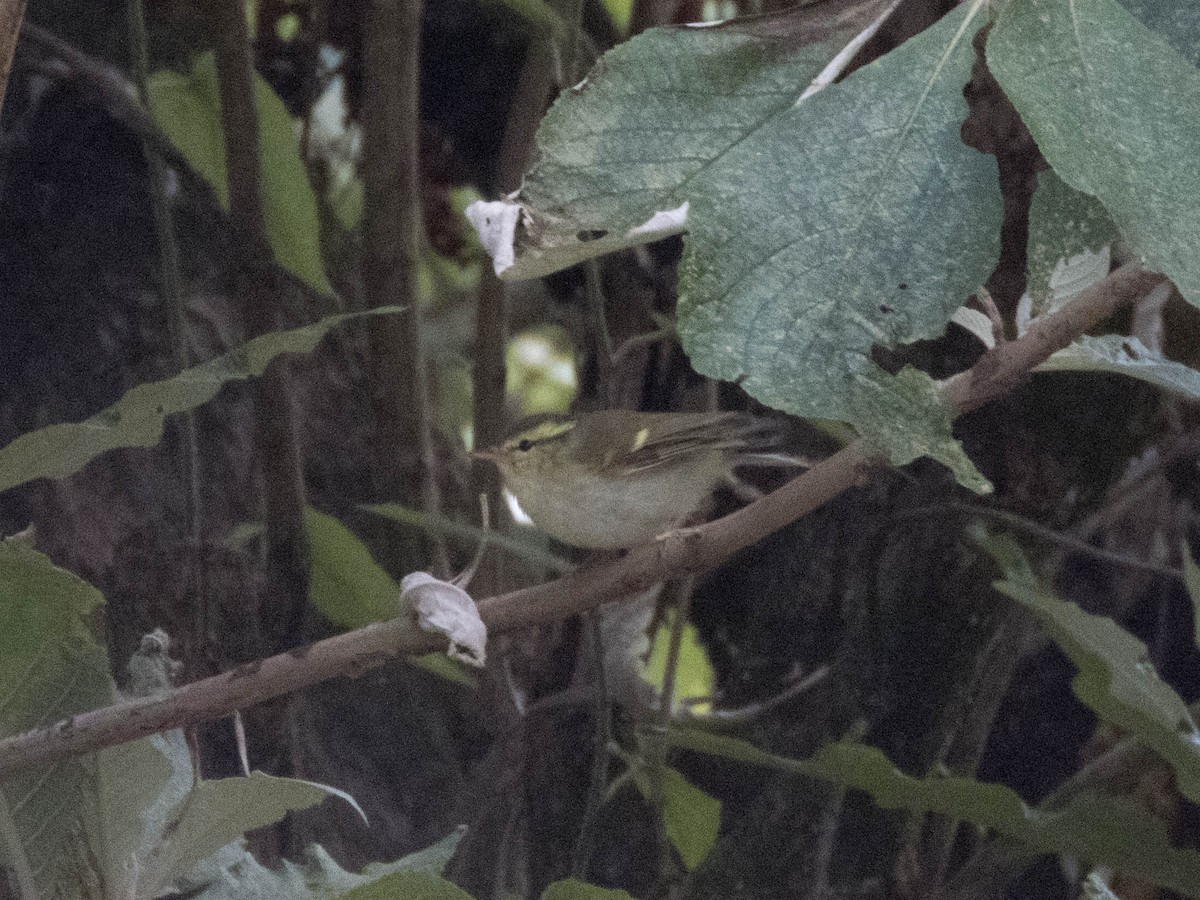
525,445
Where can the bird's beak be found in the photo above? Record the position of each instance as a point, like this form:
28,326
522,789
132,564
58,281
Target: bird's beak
483,454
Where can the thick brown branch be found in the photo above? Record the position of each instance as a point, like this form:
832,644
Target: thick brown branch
687,550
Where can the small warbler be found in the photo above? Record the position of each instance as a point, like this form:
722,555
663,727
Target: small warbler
618,478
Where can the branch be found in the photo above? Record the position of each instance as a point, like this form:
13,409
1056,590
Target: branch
1003,368
679,552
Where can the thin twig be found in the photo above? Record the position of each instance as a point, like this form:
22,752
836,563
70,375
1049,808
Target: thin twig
1028,525
641,340
754,711
666,704
239,733
677,553
597,314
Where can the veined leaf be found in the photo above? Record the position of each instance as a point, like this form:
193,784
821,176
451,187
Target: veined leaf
1100,829
51,667
136,420
1088,79
820,223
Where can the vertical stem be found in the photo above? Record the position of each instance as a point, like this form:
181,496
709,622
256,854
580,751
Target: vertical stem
581,854
12,14
392,229
170,285
649,13
602,343
258,287
491,314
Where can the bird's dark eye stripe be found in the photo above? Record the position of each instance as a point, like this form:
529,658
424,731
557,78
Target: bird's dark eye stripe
525,444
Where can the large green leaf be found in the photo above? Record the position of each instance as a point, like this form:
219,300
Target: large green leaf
1116,678
820,224
188,109
1101,829
136,420
1176,21
1090,82
128,820
345,583
621,153
50,667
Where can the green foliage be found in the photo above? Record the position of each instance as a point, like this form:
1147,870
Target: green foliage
1175,22
694,678
572,889
621,11
1069,236
1121,355
540,370
1191,579
1116,678
352,590
819,225
126,821
690,816
409,886
188,109
1100,829
345,583
234,874
52,667
1087,79
136,420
